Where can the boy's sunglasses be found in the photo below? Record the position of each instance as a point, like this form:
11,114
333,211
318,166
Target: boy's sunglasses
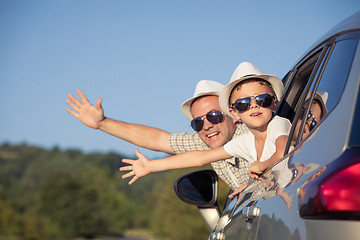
213,117
243,104
313,121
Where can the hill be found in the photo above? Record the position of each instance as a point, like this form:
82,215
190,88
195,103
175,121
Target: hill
54,194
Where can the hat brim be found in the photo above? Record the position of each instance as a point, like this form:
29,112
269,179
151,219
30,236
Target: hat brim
186,106
224,95
319,98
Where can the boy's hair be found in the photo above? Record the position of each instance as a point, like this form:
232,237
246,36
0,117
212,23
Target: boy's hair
321,108
259,80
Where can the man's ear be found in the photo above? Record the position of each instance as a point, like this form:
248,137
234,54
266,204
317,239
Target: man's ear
235,120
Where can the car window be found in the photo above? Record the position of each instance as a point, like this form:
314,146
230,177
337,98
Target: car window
295,85
326,91
337,69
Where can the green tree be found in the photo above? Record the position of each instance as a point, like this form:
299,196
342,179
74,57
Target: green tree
10,219
73,205
172,218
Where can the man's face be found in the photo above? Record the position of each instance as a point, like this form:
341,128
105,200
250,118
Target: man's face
213,135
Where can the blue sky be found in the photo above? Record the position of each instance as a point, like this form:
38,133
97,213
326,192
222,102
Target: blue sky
143,57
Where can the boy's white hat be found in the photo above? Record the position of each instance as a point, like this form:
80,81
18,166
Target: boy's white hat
246,70
322,98
310,167
203,88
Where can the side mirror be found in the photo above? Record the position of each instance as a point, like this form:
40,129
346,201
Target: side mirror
200,188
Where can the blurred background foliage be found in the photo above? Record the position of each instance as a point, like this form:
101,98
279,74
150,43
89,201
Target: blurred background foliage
54,194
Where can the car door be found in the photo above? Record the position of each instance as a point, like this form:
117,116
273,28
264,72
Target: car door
331,68
240,219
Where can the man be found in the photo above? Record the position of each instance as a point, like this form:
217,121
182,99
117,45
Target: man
199,109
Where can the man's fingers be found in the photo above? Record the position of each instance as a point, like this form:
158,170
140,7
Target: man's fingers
126,168
129,174
74,100
138,154
72,113
129,161
71,104
231,196
236,192
133,180
98,103
82,96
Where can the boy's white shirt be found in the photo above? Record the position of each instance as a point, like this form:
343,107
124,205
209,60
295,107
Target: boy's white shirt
243,146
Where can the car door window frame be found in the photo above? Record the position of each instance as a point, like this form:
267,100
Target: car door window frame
312,84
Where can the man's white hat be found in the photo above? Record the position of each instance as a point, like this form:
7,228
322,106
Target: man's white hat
203,88
246,70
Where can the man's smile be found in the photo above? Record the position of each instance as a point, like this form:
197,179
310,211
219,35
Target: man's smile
210,135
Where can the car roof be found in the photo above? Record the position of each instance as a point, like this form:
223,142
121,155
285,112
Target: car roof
348,24
351,23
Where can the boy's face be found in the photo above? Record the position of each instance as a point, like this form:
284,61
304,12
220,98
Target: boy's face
213,135
316,115
256,117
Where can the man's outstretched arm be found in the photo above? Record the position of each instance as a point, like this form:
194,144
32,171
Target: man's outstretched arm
140,135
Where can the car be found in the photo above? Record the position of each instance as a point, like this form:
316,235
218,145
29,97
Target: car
313,192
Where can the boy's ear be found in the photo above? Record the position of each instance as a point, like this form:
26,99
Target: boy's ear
275,105
235,114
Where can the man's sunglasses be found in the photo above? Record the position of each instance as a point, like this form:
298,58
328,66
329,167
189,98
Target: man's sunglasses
243,104
213,117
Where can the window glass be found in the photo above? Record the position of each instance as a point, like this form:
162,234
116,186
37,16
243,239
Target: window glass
330,87
296,87
336,72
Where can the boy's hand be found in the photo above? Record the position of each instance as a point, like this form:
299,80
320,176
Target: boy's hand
138,168
88,114
256,169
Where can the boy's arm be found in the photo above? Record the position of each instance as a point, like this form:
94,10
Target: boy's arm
142,166
189,159
258,167
93,117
